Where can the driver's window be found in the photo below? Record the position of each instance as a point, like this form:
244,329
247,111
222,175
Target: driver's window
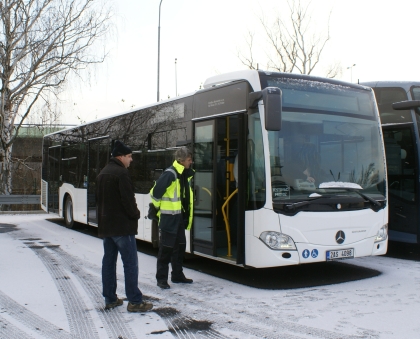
255,164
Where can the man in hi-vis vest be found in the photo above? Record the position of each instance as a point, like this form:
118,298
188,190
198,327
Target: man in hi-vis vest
173,198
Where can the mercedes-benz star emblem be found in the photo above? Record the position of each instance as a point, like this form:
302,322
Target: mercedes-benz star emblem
340,237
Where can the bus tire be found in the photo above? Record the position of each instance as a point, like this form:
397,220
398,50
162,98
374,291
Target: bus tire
68,212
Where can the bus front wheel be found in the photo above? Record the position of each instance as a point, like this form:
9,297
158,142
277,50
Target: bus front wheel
68,212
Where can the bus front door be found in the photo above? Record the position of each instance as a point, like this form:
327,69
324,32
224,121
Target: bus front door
218,228
99,152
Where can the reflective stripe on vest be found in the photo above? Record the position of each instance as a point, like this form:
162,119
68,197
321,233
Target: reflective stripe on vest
170,212
171,200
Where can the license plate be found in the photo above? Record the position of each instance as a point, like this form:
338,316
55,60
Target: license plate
347,253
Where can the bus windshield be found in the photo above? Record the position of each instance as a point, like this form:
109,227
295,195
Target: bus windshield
330,133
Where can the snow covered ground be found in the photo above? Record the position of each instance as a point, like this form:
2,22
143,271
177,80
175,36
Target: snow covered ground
50,287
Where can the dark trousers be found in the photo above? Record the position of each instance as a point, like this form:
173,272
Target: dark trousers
127,247
171,250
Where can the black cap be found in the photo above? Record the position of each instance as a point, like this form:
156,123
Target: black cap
120,149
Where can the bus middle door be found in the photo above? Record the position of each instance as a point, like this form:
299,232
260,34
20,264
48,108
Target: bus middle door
218,211
99,152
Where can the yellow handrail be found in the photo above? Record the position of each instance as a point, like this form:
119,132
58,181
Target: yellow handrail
207,190
229,254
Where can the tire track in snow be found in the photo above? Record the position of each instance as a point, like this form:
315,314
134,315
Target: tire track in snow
29,319
114,322
258,325
183,325
179,325
10,331
78,314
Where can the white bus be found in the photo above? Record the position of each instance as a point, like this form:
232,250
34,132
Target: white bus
289,169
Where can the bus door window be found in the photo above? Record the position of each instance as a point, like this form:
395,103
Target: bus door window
385,97
401,161
54,157
400,156
255,164
203,187
226,198
99,153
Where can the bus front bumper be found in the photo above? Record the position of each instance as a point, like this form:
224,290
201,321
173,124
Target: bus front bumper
259,255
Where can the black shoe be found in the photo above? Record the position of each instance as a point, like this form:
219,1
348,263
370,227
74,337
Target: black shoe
182,280
116,303
143,307
163,285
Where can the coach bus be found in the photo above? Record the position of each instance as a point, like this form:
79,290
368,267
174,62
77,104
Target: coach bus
289,169
399,109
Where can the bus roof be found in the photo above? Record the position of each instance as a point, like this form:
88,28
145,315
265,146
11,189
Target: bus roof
253,77
123,113
388,83
249,75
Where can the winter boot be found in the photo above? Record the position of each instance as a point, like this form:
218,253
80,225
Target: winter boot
177,275
162,266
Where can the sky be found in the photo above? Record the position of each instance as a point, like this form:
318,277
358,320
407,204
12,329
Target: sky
50,287
378,37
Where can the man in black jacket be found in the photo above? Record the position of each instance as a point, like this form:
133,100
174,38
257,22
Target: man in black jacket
117,224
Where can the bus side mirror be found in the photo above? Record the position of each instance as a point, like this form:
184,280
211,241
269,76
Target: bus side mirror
254,98
272,108
408,104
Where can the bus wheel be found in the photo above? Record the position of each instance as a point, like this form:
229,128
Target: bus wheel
68,212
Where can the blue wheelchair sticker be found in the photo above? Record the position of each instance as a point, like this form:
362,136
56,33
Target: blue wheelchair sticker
305,254
314,253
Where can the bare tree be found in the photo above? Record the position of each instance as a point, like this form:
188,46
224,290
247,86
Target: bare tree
42,42
293,43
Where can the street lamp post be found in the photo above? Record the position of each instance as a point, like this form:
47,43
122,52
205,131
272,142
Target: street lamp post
176,82
351,72
158,54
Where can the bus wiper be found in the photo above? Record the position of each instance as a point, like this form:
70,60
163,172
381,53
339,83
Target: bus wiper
334,176
353,188
373,201
306,202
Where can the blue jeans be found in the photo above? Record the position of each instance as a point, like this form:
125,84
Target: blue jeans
127,247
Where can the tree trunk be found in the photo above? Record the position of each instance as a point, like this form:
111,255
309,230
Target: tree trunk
6,171
6,175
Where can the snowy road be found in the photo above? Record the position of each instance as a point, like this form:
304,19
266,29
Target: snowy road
50,287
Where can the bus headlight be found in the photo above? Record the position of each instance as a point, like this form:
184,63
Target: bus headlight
382,233
277,241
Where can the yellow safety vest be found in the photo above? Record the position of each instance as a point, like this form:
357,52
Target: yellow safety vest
170,203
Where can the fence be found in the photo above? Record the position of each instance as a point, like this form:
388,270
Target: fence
17,199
